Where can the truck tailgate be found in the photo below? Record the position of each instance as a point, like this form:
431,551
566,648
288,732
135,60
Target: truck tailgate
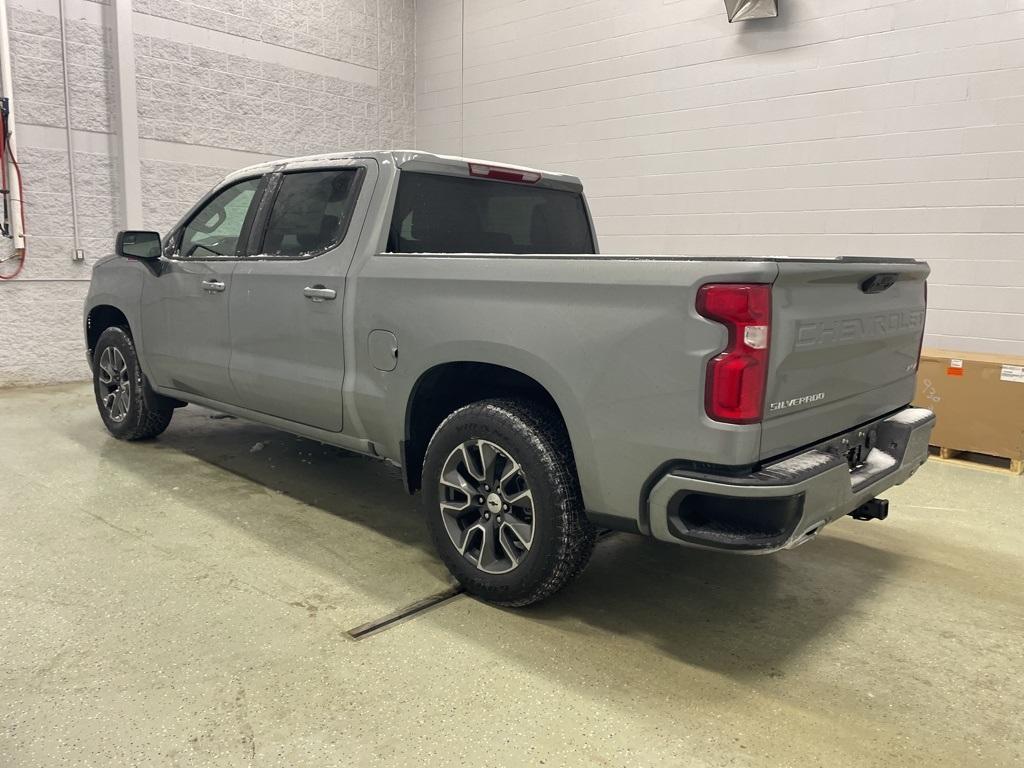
845,341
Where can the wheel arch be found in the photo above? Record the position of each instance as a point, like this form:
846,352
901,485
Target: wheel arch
98,319
447,386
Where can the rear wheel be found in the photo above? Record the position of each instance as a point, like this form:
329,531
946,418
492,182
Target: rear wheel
129,408
503,503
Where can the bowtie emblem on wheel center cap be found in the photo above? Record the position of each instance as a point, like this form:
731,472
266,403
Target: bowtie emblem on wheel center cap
493,502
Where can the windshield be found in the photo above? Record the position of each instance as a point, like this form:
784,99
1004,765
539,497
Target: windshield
452,214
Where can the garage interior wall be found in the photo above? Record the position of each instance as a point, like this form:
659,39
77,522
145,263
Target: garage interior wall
220,84
846,127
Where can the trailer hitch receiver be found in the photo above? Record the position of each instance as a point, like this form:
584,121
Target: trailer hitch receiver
876,509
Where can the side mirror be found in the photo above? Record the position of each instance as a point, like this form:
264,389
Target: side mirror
138,244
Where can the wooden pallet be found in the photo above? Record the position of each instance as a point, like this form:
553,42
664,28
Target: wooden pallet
974,460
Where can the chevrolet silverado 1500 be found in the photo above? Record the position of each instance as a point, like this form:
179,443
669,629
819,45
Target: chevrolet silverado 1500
454,317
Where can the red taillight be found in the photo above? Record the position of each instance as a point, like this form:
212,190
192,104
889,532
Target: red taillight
500,173
735,386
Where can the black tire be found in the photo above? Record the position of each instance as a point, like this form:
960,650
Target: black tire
562,537
139,413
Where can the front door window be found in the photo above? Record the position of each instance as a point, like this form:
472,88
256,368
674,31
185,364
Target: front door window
214,232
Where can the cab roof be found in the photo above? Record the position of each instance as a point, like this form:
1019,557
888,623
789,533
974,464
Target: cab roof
411,160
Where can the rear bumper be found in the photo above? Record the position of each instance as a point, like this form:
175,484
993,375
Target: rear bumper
787,503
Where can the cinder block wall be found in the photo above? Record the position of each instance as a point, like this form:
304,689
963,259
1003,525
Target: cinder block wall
220,85
863,127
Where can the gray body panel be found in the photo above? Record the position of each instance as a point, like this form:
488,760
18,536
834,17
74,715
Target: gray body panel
615,340
194,358
851,355
287,353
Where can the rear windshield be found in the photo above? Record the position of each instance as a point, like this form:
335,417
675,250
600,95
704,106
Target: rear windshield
449,214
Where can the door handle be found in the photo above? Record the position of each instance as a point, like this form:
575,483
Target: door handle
319,293
213,286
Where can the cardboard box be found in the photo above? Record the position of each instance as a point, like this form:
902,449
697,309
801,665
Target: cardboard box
978,401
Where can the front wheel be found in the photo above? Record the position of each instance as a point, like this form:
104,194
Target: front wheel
129,408
503,503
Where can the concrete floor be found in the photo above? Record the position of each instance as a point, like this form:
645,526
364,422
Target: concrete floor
186,601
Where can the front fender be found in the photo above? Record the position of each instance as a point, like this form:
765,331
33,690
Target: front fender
117,283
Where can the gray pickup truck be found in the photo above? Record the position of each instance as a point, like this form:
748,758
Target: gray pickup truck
454,318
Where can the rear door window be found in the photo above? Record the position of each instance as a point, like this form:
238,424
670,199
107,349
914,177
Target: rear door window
311,212
452,214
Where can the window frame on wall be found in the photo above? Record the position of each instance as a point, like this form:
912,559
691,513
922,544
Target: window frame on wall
241,248
258,232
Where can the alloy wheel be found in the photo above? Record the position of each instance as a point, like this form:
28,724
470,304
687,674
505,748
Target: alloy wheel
487,506
115,384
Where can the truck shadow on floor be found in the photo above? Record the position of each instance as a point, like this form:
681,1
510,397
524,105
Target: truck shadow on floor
740,616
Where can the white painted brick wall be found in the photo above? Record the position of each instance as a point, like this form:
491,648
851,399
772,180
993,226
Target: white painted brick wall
338,29
36,68
194,95
220,85
864,127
